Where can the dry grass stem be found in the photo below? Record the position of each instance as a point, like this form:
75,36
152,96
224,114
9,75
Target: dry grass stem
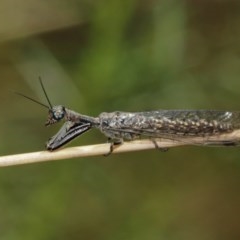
101,149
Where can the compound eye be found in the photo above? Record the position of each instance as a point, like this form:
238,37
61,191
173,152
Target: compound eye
58,112
55,114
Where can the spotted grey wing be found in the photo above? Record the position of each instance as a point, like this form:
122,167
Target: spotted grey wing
68,132
191,123
196,127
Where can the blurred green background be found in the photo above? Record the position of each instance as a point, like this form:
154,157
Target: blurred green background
128,55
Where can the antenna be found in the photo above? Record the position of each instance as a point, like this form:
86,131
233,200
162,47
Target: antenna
32,99
45,93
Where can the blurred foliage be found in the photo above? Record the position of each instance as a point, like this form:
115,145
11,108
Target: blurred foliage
128,55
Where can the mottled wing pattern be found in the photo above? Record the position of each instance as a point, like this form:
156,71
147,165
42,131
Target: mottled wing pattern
178,125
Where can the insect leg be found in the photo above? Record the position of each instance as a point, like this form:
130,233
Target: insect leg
157,147
114,143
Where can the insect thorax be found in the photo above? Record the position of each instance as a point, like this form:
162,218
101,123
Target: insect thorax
118,125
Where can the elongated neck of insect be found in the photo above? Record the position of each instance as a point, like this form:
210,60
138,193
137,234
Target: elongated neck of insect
77,117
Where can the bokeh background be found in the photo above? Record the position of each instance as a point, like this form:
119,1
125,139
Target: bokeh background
130,55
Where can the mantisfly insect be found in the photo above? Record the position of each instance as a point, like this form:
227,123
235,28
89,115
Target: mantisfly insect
213,127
